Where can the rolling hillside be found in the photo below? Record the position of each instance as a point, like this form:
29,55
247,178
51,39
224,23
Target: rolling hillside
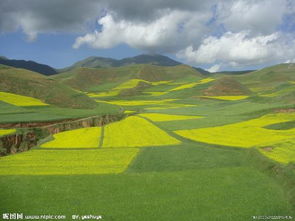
226,86
28,65
90,78
101,62
32,84
272,84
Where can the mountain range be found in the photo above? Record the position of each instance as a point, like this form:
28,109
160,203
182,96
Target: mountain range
95,62
29,65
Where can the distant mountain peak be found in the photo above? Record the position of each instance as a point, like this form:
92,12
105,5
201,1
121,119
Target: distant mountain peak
97,62
156,59
29,65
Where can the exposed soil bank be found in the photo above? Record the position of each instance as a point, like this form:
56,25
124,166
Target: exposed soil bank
29,134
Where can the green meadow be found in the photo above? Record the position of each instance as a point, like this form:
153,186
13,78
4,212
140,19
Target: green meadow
190,146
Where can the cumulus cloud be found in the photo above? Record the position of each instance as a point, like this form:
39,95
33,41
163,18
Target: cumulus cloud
34,16
290,61
147,10
229,32
261,16
169,33
241,49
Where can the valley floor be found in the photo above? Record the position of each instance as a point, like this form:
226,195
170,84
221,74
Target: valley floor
172,160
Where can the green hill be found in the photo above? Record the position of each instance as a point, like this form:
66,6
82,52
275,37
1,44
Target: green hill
87,78
226,86
274,84
29,65
270,76
90,79
32,84
154,59
101,62
234,72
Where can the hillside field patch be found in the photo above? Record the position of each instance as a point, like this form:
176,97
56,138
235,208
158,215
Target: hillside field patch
226,98
244,134
20,100
135,132
67,162
168,117
6,131
79,138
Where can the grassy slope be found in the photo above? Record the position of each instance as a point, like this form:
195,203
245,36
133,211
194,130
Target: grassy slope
87,78
33,114
24,82
65,102
277,80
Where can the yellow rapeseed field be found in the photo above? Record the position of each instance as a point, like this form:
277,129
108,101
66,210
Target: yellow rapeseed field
244,134
126,85
282,152
6,131
67,162
20,100
134,82
168,117
227,98
103,94
135,132
79,138
190,85
129,112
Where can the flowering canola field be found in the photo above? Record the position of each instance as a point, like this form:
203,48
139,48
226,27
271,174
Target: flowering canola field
282,152
244,134
20,100
190,85
6,131
125,85
227,98
168,117
79,138
135,132
67,162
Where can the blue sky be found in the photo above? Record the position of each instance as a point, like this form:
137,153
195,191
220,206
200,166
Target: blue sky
215,35
56,49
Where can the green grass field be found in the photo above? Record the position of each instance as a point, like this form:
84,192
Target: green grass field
179,155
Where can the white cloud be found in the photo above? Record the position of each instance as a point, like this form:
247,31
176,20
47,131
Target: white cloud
169,33
290,61
261,16
240,49
214,68
250,32
35,16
